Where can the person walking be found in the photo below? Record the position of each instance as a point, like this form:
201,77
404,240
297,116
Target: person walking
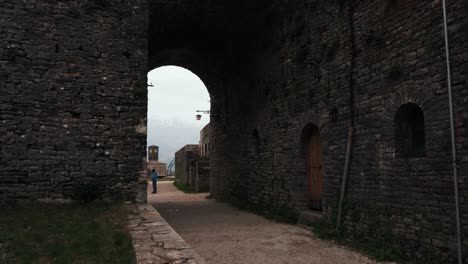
154,178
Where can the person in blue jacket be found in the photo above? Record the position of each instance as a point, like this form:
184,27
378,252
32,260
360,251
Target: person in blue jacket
154,178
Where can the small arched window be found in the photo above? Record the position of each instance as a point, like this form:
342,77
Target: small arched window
410,138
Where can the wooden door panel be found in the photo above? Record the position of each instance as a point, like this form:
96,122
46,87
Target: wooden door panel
314,170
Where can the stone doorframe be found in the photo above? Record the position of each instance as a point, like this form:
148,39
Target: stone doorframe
299,154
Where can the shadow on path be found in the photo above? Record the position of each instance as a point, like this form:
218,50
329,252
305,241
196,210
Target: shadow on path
220,233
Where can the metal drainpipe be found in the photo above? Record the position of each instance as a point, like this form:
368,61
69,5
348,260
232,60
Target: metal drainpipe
349,146
452,132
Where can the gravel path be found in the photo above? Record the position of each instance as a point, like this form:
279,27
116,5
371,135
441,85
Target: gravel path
220,233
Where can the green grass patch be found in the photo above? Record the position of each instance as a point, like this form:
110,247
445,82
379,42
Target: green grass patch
183,188
380,249
363,228
94,233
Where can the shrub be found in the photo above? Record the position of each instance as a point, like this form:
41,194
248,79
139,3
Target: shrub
182,187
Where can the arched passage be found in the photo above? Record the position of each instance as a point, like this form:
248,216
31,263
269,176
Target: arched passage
191,60
175,94
213,40
314,166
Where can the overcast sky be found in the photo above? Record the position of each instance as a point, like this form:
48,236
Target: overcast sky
172,105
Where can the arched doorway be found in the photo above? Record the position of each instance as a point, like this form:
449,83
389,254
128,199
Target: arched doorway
314,167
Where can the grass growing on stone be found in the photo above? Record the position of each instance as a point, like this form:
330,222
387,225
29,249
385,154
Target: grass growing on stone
93,233
379,251
183,188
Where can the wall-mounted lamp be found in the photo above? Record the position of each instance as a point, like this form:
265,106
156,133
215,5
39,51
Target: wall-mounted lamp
199,116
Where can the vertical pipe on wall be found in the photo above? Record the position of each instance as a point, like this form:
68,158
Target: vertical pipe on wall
452,133
349,146
345,177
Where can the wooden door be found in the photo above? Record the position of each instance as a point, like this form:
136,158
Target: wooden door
314,170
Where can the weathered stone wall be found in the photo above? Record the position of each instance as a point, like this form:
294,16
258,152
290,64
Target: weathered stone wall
180,166
199,175
192,174
73,101
72,97
205,141
183,160
192,170
202,183
327,65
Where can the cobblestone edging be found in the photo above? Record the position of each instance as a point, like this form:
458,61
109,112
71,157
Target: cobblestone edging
154,239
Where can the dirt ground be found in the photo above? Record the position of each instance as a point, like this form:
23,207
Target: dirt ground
220,233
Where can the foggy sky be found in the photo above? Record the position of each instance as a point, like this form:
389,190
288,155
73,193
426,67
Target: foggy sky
172,105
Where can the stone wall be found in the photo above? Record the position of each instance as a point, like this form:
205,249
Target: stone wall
183,160
202,182
73,102
325,64
191,169
72,97
198,179
204,143
192,174
274,68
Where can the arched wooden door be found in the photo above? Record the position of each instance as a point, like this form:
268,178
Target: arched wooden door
314,169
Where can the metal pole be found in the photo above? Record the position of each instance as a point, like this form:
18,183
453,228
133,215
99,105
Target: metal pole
345,177
351,106
452,133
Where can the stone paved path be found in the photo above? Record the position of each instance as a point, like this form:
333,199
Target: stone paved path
155,242
220,233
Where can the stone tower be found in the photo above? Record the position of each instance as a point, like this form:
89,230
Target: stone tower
153,153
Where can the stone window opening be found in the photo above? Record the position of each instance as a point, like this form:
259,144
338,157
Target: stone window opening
410,138
205,151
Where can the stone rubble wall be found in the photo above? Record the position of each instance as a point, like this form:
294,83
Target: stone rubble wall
72,98
299,73
183,164
202,182
199,175
73,102
191,169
